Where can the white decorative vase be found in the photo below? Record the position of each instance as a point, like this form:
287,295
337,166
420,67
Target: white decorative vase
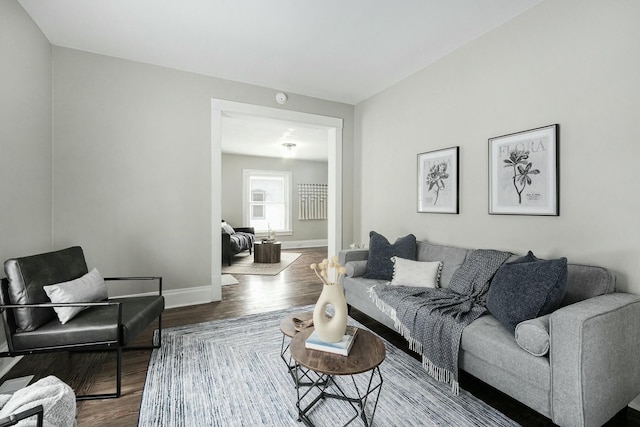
331,329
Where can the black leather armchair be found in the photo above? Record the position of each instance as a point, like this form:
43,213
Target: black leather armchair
31,325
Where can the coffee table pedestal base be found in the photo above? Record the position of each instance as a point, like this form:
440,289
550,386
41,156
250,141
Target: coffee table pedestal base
327,388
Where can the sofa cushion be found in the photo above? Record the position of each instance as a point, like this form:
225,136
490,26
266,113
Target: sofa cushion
379,265
416,273
28,275
533,335
527,288
96,325
488,340
357,292
88,288
450,256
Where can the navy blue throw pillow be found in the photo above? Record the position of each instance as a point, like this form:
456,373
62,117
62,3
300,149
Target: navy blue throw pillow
527,288
379,264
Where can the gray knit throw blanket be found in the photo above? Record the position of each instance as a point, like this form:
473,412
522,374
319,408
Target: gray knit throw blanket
432,320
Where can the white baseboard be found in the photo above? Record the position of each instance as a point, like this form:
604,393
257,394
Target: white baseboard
295,244
635,404
182,297
189,296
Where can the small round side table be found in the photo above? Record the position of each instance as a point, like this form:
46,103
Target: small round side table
289,331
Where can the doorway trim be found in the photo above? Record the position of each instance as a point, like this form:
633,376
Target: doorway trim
334,144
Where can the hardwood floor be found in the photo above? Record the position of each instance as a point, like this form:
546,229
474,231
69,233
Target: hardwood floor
297,285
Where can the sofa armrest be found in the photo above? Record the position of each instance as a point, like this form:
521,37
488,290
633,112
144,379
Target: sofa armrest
593,354
346,255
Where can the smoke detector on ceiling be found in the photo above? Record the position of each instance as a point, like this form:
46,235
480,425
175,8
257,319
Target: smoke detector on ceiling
281,98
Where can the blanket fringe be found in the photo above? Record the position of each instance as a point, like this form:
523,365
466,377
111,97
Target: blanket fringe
441,374
438,373
414,344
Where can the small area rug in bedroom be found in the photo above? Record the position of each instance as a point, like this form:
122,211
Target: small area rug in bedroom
229,373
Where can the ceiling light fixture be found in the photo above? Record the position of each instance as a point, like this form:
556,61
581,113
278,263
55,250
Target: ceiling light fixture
289,146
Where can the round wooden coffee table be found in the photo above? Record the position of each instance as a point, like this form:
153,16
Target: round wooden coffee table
366,355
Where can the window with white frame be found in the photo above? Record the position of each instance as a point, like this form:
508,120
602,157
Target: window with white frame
267,200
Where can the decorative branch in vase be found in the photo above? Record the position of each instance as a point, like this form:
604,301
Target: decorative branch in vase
330,329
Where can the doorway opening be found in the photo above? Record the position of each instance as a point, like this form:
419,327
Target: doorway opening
333,126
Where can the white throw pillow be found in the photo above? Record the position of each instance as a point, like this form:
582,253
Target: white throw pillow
416,273
88,288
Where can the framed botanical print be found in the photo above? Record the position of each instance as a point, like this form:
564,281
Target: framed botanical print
524,173
438,181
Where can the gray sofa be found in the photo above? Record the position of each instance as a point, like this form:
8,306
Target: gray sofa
591,370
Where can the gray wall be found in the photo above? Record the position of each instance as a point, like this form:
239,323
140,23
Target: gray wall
573,62
25,137
25,134
305,172
132,163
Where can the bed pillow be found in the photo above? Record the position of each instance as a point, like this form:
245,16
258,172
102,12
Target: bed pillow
416,273
527,288
379,264
88,288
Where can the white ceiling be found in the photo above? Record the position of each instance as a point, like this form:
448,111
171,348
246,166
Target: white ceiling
258,136
339,50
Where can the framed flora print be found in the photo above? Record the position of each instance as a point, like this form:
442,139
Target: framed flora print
438,181
524,173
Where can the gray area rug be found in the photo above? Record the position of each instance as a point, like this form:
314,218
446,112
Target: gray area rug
243,264
229,373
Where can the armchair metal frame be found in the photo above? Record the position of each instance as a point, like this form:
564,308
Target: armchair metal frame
14,419
112,345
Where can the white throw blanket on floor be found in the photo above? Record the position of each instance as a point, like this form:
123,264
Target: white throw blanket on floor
57,399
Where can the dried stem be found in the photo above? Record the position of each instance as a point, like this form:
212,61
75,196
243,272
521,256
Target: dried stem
322,271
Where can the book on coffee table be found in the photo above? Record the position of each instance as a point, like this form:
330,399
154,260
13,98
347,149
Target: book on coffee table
342,347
